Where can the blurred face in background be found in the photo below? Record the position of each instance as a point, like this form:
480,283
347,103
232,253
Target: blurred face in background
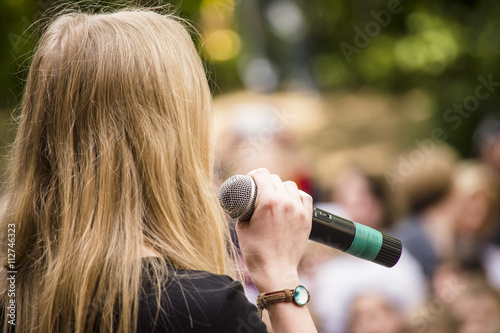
475,201
472,214
355,194
477,313
372,313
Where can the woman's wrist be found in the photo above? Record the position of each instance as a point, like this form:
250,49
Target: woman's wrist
278,280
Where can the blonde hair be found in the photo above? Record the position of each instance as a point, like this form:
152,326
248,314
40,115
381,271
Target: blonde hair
430,180
472,178
113,155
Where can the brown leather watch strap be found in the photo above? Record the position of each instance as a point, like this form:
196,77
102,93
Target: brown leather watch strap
285,295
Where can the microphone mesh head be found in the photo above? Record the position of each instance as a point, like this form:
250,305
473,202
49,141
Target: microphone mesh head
237,197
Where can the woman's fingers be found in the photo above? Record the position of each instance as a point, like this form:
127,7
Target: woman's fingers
307,203
271,185
263,180
292,190
274,193
265,185
306,199
278,185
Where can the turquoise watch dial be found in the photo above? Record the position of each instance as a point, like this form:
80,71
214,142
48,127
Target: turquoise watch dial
301,295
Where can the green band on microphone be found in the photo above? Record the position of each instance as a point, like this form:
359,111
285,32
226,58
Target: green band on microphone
367,242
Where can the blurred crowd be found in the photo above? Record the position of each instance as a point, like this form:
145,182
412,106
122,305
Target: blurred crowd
443,208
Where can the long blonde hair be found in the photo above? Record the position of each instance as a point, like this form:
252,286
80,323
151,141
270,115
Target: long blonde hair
113,155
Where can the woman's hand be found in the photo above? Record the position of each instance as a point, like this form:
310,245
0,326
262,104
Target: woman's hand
274,240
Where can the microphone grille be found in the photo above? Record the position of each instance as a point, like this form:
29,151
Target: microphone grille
237,197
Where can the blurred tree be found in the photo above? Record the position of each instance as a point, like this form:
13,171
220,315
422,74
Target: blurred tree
440,46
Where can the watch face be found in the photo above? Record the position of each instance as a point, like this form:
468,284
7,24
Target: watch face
301,295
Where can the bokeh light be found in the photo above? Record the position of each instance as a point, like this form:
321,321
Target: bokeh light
221,45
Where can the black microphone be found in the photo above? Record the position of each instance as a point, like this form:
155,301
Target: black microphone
237,197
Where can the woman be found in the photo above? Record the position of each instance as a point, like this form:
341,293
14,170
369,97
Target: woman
111,205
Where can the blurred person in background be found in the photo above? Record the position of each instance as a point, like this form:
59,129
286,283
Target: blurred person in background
432,317
257,136
463,299
427,232
343,278
486,142
365,198
475,212
474,307
374,313
358,196
477,309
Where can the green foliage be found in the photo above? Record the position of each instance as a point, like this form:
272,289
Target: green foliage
439,46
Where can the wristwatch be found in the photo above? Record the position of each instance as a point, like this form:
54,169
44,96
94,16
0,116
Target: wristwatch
300,296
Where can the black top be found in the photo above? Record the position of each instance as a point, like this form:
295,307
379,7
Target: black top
196,301
193,301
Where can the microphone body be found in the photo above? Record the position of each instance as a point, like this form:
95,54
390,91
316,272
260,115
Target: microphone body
237,197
